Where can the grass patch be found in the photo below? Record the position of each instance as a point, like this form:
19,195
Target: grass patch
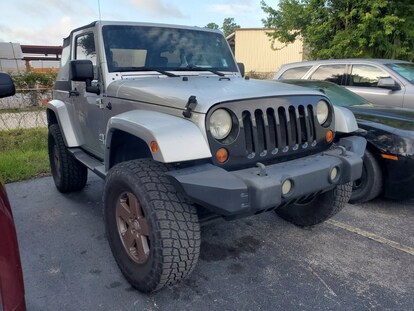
18,110
23,154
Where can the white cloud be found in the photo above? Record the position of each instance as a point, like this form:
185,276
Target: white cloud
49,34
231,9
73,7
158,8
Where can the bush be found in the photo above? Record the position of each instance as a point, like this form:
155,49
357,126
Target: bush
260,75
28,81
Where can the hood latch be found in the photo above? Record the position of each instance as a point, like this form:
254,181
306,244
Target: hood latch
191,104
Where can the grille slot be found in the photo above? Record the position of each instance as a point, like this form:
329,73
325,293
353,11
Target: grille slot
274,130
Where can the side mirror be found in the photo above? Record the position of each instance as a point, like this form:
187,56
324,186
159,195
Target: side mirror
82,70
241,68
388,83
6,85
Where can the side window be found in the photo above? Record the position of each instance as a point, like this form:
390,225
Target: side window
85,47
295,73
65,55
366,75
332,73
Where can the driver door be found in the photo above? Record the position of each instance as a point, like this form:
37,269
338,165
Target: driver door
86,106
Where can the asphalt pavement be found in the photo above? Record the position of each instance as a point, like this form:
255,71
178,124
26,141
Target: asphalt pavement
363,259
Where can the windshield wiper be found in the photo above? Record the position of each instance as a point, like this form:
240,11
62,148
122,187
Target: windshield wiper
126,69
196,68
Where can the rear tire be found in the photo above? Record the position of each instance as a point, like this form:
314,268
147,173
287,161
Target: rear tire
318,209
369,186
68,173
153,233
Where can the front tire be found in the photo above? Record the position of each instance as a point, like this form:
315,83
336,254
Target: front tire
318,209
68,173
154,234
369,186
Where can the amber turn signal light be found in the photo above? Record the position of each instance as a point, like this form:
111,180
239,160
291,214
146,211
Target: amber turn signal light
329,136
154,146
222,155
389,156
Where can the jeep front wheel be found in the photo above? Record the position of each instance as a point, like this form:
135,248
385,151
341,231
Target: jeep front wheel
68,173
314,210
153,233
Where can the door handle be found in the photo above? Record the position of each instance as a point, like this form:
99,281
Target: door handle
73,93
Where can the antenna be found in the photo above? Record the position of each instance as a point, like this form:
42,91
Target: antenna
99,9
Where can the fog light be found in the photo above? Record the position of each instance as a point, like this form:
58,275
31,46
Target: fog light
334,173
286,186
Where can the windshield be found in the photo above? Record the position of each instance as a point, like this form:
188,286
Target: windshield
405,70
128,48
338,95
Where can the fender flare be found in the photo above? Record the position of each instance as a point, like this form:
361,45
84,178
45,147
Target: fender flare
178,139
345,121
62,115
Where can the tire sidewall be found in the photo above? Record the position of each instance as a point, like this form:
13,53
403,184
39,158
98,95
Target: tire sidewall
142,276
320,209
319,205
363,193
52,142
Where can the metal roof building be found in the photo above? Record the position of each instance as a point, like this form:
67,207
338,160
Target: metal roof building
252,46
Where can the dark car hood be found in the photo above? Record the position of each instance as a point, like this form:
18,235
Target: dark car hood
397,118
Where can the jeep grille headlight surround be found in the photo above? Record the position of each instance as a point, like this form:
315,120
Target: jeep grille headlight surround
220,124
322,112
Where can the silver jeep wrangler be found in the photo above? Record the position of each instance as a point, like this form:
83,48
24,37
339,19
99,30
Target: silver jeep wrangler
164,115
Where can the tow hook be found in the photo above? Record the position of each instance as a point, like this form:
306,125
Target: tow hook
343,150
262,168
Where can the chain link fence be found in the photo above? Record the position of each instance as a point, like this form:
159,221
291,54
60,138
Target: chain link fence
24,110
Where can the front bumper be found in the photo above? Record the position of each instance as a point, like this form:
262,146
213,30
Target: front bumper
245,192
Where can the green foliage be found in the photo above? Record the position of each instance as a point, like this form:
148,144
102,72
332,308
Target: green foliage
342,29
23,154
212,26
260,75
33,79
26,82
229,26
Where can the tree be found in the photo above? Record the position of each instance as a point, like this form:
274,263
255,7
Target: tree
212,26
342,29
229,26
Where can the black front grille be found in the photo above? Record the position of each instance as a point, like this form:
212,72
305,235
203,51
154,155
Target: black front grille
272,130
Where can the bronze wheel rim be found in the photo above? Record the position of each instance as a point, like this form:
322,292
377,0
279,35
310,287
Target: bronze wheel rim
56,160
132,227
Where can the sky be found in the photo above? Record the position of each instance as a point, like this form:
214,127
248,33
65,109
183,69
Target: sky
47,22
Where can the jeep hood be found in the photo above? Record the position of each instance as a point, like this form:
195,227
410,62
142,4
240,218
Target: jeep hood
209,90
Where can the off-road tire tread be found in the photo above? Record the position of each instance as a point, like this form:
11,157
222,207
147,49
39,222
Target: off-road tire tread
172,219
74,174
325,206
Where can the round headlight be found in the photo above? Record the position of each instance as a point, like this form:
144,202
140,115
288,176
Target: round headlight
220,124
322,111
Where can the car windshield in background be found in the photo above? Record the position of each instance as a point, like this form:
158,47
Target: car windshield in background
130,47
338,95
405,70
